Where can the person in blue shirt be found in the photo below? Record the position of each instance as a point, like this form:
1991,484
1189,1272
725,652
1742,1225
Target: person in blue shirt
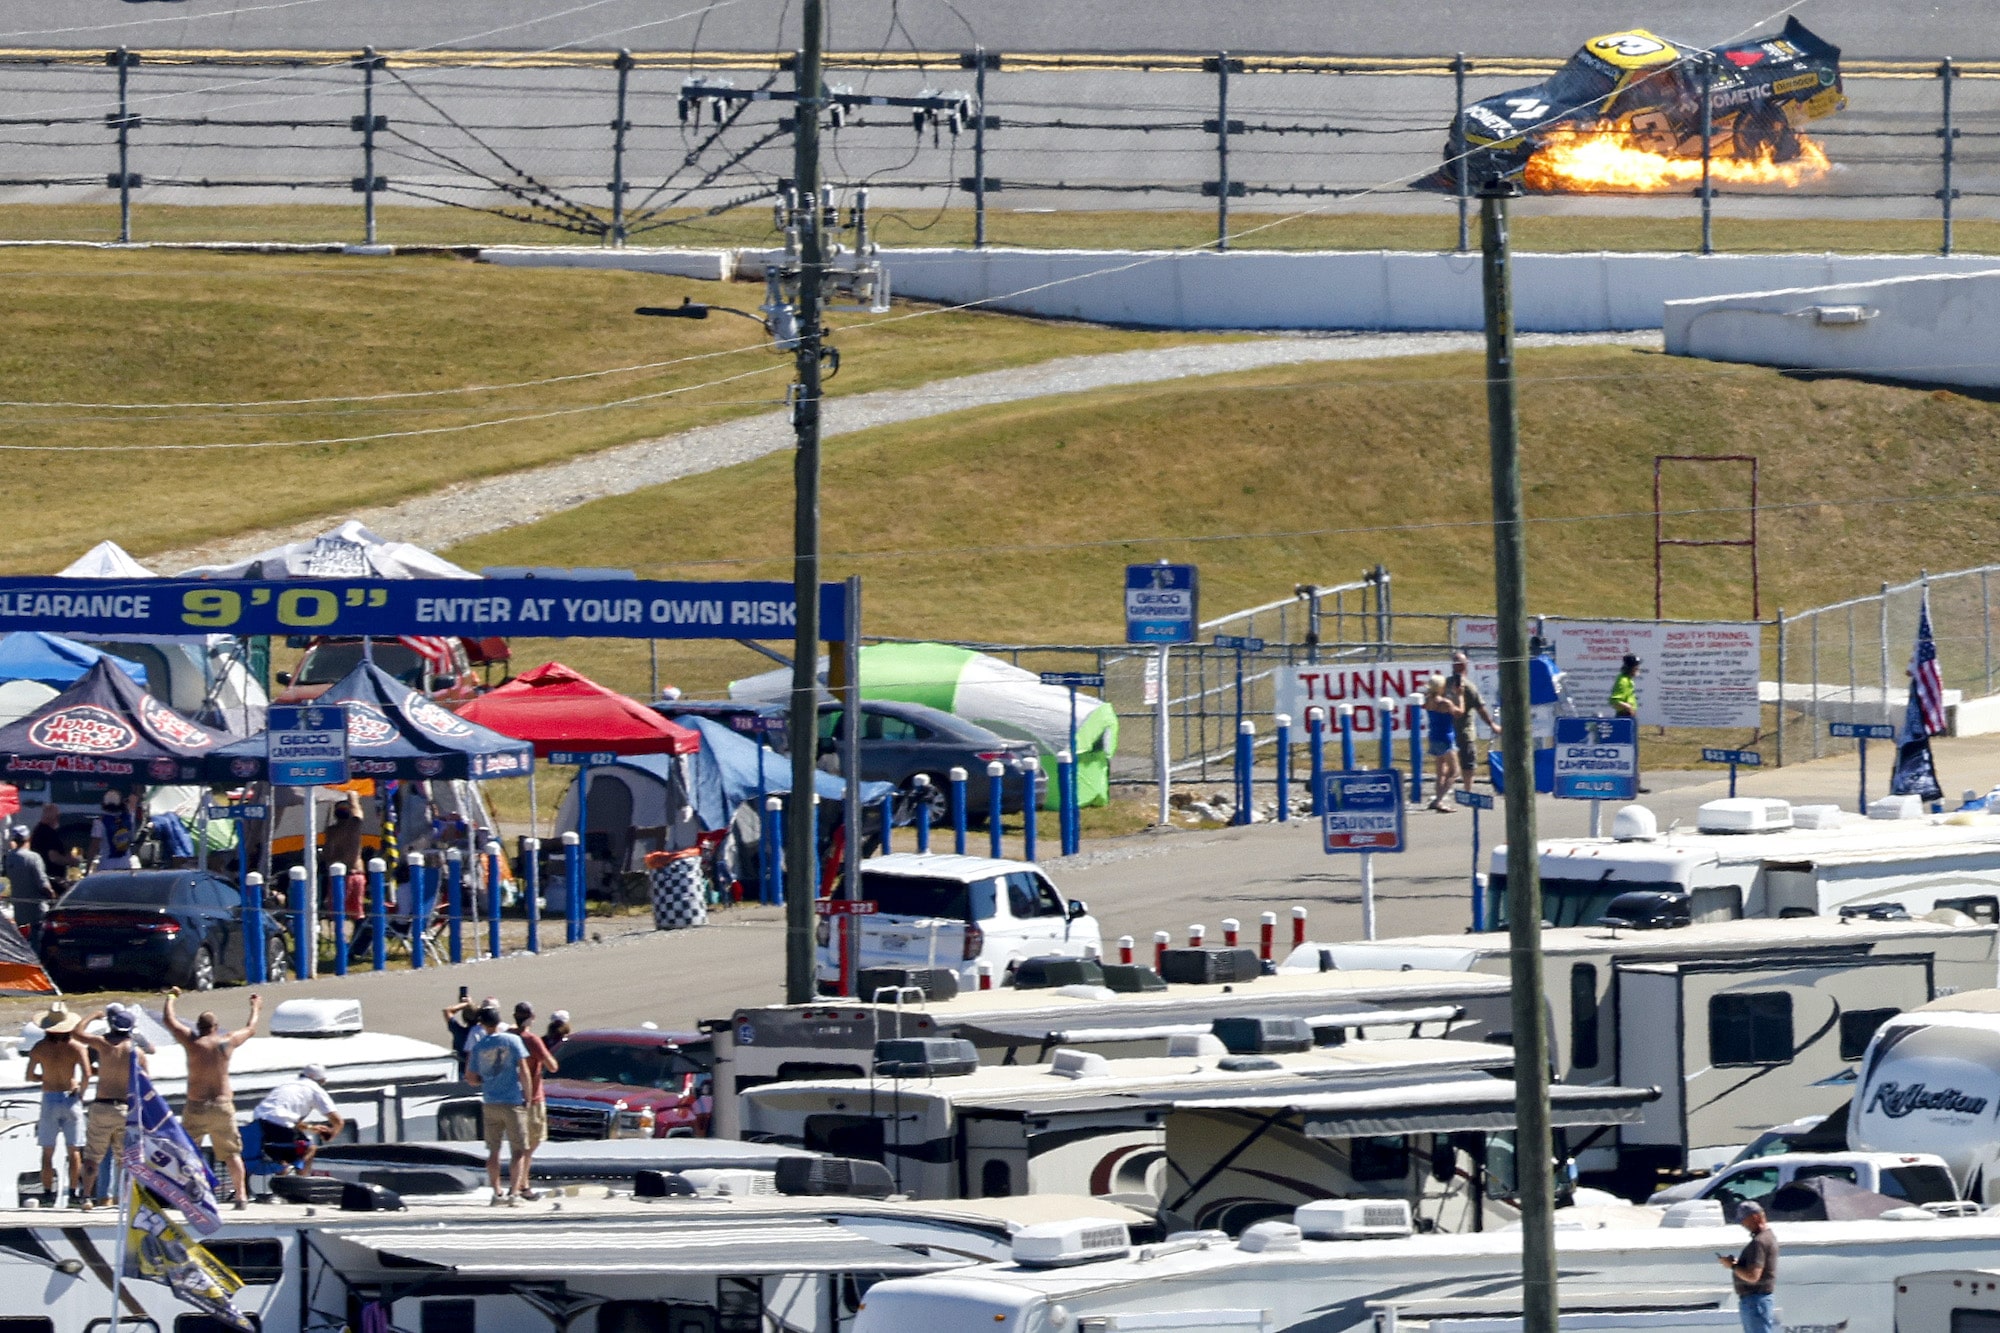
496,1063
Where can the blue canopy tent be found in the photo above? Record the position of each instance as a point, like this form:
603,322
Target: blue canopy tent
725,774
53,660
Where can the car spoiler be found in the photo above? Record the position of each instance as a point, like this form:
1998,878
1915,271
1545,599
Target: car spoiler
1810,44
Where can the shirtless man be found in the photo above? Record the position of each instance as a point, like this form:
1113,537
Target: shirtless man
104,1128
211,1102
64,1071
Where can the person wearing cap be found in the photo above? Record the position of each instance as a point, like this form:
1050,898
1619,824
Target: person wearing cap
461,1022
496,1063
285,1120
28,886
540,1063
557,1031
1754,1272
210,1111
117,1054
1625,690
62,1067
114,834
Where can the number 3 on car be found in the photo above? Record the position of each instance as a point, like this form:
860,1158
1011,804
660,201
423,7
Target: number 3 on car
1627,45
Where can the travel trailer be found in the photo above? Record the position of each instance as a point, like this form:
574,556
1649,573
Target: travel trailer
836,1039
1754,857
1741,1024
1930,1083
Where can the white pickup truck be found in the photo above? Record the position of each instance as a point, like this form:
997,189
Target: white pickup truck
1916,1178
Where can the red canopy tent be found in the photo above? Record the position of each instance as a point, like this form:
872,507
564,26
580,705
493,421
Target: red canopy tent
556,708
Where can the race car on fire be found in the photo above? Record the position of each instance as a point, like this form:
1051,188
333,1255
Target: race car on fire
1638,93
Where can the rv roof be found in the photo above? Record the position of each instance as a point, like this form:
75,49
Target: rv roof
1865,839
1970,1002
1749,935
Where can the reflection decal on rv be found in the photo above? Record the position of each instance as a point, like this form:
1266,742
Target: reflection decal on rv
1897,1101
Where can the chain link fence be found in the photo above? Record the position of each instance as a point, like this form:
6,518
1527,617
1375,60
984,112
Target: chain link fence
609,146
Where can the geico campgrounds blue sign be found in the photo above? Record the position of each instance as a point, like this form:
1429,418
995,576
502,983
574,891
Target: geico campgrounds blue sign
468,608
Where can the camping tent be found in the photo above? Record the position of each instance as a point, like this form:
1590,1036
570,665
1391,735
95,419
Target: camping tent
997,695
21,972
350,551
560,709
30,654
18,698
107,728
393,732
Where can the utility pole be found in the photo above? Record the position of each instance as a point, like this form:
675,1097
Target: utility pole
801,856
1534,1169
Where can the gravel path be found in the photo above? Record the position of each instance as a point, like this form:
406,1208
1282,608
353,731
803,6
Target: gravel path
445,517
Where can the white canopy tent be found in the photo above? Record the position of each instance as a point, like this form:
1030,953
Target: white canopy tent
349,551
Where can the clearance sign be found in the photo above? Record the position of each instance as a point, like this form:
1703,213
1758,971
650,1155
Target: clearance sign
467,608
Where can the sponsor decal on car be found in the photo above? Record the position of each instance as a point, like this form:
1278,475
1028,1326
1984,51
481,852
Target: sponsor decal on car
83,729
1492,120
1795,83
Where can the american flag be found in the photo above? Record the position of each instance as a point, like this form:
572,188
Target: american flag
433,650
1926,683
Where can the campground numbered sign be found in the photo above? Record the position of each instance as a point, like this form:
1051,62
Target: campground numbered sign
1364,811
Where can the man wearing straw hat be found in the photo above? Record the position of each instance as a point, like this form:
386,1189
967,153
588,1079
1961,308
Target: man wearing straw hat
59,1062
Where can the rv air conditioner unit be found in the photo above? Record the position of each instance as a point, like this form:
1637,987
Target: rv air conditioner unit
1634,823
1896,807
1055,970
1271,1237
1263,1035
1818,816
1353,1219
1198,1045
1067,1063
1694,1213
316,1018
925,1057
1744,814
1078,1241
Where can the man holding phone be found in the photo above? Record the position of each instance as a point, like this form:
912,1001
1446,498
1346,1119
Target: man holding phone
1754,1272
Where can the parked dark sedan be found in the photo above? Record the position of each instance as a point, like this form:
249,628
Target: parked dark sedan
151,929
899,741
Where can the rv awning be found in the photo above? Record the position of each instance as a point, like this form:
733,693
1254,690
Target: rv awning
742,1247
1436,1108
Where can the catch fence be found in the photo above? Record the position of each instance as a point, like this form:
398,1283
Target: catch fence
667,146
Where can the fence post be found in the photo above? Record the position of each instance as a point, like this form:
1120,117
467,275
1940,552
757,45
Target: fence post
573,904
303,944
123,122
1161,941
367,124
957,776
1885,655
378,913
1346,714
1125,949
1298,926
619,125
1246,741
454,889
1814,712
1416,750
256,957
492,854
921,785
1986,630
1385,717
979,148
1949,135
1284,725
1267,935
531,890
1707,154
1197,935
996,775
1222,151
420,908
336,890
1316,757
1031,786
1462,167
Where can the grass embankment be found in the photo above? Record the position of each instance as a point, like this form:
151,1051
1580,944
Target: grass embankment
1013,523
134,327
1536,226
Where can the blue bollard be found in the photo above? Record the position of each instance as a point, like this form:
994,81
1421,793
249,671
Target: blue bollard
1070,822
493,899
256,959
454,902
378,913
771,851
573,904
996,775
1316,758
1246,742
1346,712
336,895
921,785
1031,788
1385,719
1416,752
958,810
1284,768
531,889
303,943
888,820
419,892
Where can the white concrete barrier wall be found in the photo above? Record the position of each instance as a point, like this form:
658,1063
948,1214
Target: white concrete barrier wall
1934,328
1253,289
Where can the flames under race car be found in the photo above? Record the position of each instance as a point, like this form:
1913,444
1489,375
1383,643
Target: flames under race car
1625,113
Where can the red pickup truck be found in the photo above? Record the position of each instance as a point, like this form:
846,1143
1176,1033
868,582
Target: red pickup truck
631,1083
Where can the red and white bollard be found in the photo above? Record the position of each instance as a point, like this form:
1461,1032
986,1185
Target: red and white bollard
1267,935
985,976
1231,927
1124,948
1161,939
1196,934
1298,926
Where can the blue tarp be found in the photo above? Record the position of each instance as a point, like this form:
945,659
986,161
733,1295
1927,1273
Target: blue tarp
725,773
53,660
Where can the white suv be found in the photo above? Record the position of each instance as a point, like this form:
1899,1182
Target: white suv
958,912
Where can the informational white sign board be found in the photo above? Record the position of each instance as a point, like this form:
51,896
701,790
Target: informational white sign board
1328,686
1691,675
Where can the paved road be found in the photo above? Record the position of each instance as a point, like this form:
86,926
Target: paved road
1135,886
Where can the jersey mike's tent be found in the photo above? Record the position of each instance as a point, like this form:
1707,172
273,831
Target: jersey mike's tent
557,708
106,728
29,654
393,732
350,551
997,695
